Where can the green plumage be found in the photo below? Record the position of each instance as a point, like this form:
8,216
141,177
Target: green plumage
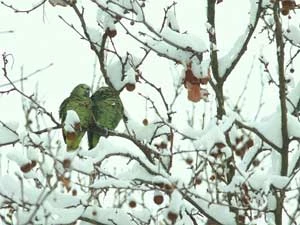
80,102
107,110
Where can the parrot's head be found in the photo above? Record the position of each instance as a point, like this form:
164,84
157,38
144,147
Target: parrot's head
106,92
81,90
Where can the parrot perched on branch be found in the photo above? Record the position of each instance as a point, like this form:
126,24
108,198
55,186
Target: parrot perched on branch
80,102
107,110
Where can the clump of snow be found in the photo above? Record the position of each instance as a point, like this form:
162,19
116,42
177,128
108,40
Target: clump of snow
294,157
130,76
34,154
122,72
18,157
83,164
253,11
139,15
109,22
163,48
267,3
293,126
185,40
176,201
212,135
108,148
293,34
293,98
65,215
165,157
109,182
199,69
270,127
279,181
114,215
47,166
226,60
262,180
276,162
34,138
71,120
226,151
172,21
58,2
95,36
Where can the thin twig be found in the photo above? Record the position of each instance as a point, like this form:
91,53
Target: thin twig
24,10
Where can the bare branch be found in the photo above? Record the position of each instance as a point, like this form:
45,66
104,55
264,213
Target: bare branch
36,6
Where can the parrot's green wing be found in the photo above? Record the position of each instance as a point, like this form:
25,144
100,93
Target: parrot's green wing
107,110
79,102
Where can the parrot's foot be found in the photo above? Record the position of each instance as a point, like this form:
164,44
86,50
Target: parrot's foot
102,131
105,132
125,118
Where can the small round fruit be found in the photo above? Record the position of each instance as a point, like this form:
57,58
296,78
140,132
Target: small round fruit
158,198
66,163
220,145
292,70
241,152
249,143
130,87
285,11
94,213
163,145
145,122
172,216
212,177
198,180
111,33
118,18
256,162
189,161
26,167
74,192
132,204
131,22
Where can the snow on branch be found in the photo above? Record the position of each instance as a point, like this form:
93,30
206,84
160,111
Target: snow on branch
8,134
230,60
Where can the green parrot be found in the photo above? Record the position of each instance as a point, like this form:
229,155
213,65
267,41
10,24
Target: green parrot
80,102
107,110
